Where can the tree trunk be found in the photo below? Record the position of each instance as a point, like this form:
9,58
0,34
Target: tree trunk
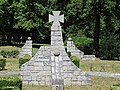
97,29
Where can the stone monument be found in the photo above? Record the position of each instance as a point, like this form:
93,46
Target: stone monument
51,65
76,52
26,49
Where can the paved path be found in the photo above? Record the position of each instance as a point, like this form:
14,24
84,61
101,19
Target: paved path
6,73
104,74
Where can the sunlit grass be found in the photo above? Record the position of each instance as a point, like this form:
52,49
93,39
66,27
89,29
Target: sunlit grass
12,64
36,87
98,83
101,65
34,51
8,48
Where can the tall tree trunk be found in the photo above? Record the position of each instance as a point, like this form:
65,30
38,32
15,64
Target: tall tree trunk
97,28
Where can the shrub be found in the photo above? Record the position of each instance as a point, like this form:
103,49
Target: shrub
4,53
75,60
69,54
115,87
23,60
15,53
109,46
10,83
9,53
2,63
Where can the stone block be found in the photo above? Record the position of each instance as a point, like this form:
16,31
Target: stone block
76,73
39,68
42,83
86,83
26,78
38,64
47,73
74,79
47,68
25,82
34,83
25,73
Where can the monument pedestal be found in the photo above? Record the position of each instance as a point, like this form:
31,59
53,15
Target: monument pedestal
48,68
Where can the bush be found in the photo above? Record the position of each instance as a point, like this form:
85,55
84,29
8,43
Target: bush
75,60
10,83
2,63
23,60
115,87
109,47
69,54
6,53
15,53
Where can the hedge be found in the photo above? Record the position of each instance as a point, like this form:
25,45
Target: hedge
2,63
69,54
75,60
10,83
9,53
23,60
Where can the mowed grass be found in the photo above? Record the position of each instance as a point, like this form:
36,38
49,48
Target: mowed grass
101,66
12,64
36,87
9,48
98,83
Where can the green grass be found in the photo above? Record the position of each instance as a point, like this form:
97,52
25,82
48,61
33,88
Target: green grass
34,51
98,83
35,87
100,65
9,48
12,64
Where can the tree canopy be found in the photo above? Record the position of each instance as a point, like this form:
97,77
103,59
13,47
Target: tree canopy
92,24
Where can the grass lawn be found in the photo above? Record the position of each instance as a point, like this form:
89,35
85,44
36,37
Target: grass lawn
12,64
9,48
101,65
98,83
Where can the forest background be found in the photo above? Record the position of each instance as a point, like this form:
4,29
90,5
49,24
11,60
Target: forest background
94,25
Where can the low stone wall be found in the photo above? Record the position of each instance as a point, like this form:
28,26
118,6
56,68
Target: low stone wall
76,52
89,57
26,49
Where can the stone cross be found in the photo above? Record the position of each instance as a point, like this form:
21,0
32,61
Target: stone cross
56,18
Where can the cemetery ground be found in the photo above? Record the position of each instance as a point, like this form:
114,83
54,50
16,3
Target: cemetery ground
98,83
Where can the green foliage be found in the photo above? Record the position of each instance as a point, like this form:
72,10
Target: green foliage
4,53
84,20
27,56
9,53
115,87
109,47
2,63
69,54
75,60
23,60
82,41
10,83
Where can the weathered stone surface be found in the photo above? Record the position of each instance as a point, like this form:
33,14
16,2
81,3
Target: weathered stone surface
51,63
26,49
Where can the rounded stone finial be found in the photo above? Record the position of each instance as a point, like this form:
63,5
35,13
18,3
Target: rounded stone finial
29,38
69,38
57,53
